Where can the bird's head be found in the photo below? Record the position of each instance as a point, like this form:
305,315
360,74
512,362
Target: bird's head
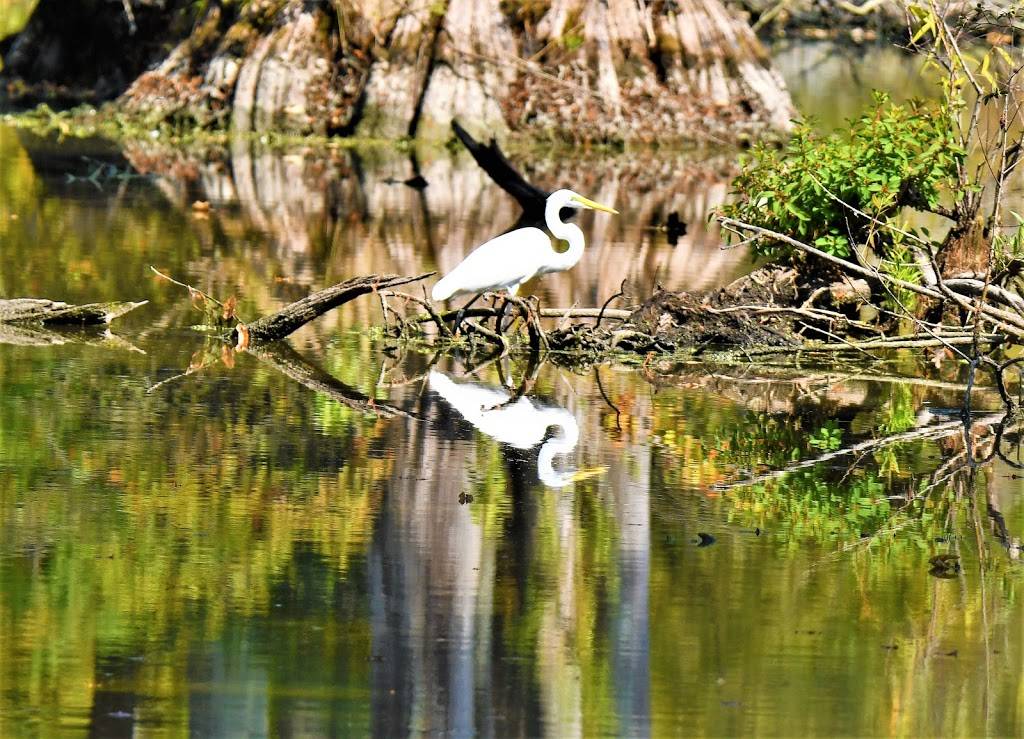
570,199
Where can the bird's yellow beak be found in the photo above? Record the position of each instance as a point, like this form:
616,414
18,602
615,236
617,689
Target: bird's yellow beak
586,474
588,203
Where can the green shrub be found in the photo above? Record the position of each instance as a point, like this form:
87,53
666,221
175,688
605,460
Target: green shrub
891,157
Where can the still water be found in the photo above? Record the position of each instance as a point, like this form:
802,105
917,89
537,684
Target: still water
191,542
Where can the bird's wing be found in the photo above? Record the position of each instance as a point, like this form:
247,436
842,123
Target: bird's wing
509,259
468,398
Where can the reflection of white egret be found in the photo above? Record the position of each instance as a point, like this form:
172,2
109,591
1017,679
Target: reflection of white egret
523,424
509,260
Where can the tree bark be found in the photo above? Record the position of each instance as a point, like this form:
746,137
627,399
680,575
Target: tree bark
399,73
605,70
469,70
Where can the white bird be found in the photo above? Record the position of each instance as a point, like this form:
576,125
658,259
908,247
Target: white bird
509,260
522,424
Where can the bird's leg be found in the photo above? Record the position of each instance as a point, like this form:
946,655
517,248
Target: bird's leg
540,328
510,297
523,388
501,316
462,314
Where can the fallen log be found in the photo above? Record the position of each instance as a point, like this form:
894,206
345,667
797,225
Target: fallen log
278,325
54,312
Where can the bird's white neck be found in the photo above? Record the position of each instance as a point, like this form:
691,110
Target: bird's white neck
561,443
566,232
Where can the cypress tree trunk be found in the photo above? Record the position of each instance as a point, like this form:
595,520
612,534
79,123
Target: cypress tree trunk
464,83
573,69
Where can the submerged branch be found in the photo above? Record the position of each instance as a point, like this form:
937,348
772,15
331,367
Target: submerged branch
936,431
20,334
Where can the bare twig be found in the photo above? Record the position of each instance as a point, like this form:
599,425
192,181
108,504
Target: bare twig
192,291
604,308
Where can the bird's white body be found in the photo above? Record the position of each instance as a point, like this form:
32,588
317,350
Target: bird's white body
523,424
509,260
514,256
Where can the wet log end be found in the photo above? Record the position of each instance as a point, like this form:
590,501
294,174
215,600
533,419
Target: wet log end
53,312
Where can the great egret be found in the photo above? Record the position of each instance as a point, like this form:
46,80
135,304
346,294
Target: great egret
522,424
509,260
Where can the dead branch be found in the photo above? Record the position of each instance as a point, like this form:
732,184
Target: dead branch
487,333
979,287
194,292
618,313
431,314
484,312
893,342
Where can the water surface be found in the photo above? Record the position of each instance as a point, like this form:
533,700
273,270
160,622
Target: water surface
193,542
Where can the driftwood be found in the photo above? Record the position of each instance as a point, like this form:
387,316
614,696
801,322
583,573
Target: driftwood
53,312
